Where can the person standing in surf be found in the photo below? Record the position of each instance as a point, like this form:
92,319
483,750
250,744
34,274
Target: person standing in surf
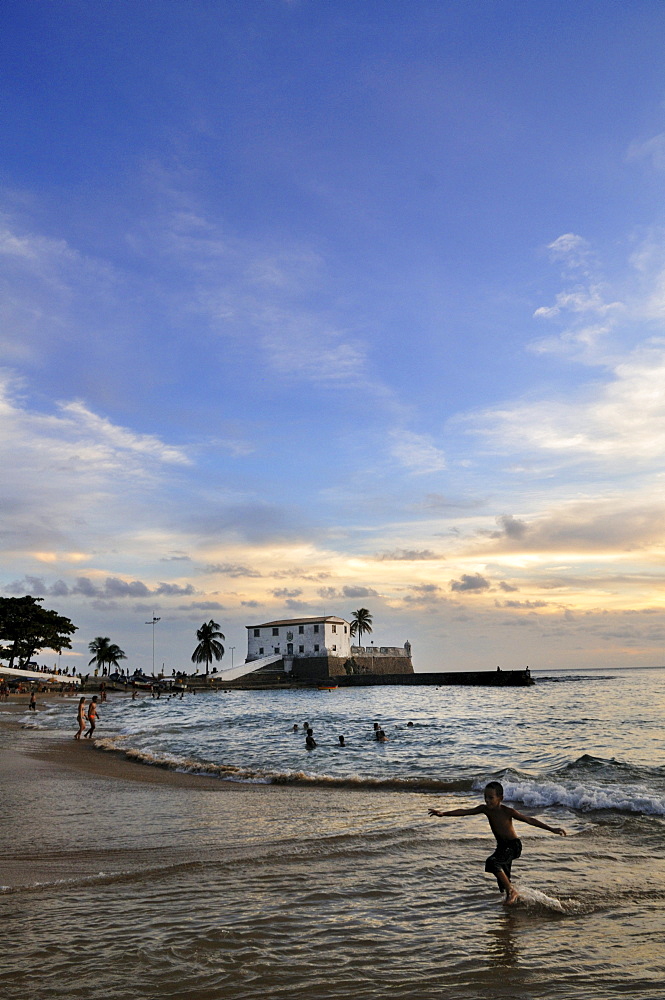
508,845
93,718
81,718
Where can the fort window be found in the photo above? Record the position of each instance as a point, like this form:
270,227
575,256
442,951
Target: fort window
257,633
334,628
316,628
316,649
301,630
301,649
275,631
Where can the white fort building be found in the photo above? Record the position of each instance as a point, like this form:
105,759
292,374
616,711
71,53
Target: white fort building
326,636
315,648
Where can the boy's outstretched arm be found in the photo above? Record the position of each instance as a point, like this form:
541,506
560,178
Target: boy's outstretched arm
532,821
457,812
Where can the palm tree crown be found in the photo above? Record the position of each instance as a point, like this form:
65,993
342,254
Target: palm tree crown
361,623
105,653
209,647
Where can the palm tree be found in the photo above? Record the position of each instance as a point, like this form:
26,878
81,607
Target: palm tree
209,647
105,653
361,623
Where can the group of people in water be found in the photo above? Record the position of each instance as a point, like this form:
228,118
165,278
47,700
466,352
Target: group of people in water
311,744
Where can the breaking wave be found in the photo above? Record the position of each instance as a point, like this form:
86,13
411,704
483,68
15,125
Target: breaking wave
578,786
230,772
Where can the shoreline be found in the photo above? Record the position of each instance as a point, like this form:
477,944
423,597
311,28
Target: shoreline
84,757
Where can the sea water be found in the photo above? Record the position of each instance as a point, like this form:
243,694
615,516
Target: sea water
323,873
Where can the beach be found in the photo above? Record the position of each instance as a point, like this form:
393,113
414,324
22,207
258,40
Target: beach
122,879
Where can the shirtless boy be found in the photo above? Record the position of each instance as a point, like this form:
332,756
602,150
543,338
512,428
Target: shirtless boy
80,718
508,846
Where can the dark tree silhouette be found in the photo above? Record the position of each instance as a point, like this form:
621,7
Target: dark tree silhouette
209,647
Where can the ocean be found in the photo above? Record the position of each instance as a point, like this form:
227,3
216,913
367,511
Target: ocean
321,872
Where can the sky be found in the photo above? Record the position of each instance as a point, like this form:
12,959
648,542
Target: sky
312,306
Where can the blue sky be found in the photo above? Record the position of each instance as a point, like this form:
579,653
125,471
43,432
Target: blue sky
311,306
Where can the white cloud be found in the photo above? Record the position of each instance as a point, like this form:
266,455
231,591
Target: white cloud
573,251
75,475
417,452
118,440
252,288
623,418
652,150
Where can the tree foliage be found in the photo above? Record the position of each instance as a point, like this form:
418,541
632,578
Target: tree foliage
361,622
27,628
209,647
105,653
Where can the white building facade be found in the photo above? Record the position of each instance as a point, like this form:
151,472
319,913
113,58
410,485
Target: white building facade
324,636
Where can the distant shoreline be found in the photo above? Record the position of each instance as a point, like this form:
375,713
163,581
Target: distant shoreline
63,751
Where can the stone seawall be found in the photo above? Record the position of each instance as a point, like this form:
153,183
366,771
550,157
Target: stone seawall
482,678
377,666
319,668
308,672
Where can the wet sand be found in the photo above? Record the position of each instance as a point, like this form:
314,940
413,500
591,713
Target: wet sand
82,755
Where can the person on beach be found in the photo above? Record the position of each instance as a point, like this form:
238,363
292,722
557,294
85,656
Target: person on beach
33,702
310,742
92,717
341,741
508,845
80,718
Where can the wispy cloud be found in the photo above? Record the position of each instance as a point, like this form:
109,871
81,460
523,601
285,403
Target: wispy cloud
409,555
650,150
111,588
417,452
622,417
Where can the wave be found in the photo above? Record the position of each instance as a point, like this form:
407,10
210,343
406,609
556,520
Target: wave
584,797
585,785
230,772
574,679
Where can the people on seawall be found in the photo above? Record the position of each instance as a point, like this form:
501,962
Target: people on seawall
37,668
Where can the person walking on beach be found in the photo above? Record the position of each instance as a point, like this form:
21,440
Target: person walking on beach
33,702
80,718
508,845
92,717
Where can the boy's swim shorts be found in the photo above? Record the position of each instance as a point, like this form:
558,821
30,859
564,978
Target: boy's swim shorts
506,852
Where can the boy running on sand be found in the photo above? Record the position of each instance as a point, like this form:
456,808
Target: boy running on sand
508,846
